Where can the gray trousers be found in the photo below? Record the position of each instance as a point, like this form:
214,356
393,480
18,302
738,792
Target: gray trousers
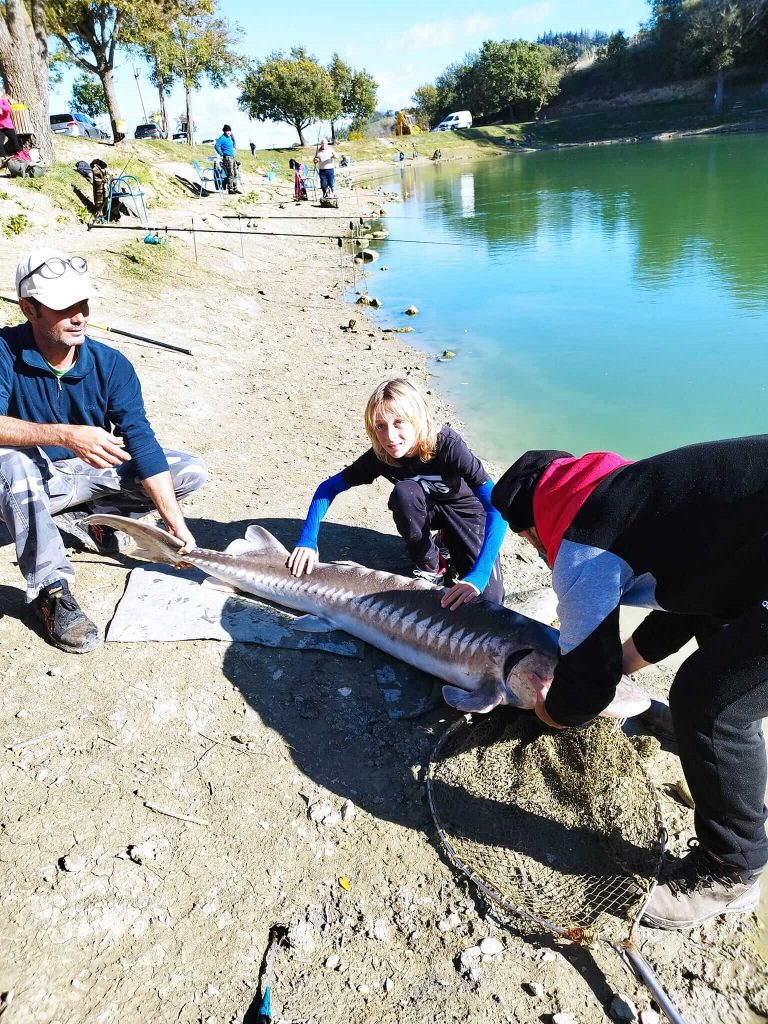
33,490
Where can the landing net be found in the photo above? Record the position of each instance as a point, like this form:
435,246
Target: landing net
561,826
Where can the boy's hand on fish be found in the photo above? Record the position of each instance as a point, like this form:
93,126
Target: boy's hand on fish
302,560
459,594
95,446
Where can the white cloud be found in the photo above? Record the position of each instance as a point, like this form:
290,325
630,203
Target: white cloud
431,34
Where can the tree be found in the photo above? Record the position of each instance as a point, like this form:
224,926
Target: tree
356,91
294,89
88,96
89,28
721,29
514,75
24,66
615,54
427,104
200,46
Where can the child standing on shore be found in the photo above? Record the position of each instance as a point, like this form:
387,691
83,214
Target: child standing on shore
439,485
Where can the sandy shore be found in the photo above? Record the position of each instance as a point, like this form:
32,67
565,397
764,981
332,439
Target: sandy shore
248,739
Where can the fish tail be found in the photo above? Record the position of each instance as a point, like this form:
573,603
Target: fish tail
151,542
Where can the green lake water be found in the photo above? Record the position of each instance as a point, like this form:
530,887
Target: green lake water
613,297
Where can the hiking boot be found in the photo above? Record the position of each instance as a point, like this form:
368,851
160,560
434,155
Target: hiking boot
93,537
65,623
436,578
698,887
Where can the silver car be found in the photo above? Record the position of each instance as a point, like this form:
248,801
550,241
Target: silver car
75,124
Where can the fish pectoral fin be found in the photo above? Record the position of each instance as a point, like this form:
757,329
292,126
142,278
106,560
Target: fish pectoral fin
213,584
485,699
313,624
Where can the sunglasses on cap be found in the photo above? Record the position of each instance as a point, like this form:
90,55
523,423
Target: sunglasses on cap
58,267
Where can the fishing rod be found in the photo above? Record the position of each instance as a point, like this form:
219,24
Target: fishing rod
262,234
124,334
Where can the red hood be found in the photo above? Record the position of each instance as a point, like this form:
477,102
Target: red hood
563,488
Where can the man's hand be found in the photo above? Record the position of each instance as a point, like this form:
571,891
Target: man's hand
541,685
459,594
95,446
182,532
302,560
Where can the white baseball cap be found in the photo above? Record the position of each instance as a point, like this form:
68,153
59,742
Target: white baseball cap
53,278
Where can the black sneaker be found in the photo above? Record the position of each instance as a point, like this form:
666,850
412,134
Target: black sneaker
65,623
698,887
94,537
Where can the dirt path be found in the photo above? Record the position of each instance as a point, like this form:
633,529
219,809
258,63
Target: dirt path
112,910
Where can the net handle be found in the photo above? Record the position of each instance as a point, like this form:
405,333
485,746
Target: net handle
645,974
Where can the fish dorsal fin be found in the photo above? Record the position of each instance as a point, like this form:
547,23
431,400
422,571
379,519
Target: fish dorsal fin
262,542
239,547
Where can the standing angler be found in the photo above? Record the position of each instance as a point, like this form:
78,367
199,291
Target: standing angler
684,533
62,395
225,147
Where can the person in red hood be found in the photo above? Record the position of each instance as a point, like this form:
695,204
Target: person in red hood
684,533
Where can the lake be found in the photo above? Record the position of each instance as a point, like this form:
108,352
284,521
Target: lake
612,297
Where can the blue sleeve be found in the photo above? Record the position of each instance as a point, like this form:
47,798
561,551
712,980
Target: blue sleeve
493,535
321,502
125,409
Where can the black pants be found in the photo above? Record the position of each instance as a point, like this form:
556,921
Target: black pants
9,142
718,700
416,514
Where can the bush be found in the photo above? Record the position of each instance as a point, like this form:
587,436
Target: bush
16,225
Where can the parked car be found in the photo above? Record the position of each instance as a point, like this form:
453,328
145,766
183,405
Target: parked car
458,119
149,131
208,142
74,123
179,137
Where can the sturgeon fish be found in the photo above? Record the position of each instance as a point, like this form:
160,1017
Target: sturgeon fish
484,652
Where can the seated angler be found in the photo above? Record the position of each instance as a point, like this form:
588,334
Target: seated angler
75,440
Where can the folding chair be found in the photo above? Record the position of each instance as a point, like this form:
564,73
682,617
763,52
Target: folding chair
207,175
311,183
125,190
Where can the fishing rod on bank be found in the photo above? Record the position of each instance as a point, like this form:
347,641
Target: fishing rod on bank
262,234
124,334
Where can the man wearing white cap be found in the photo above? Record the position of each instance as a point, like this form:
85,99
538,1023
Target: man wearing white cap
74,435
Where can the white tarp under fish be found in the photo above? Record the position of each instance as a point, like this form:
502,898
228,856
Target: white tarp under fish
162,604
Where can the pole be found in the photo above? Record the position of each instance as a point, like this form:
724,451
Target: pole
124,334
143,109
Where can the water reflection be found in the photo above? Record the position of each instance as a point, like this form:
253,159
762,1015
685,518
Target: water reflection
680,202
611,297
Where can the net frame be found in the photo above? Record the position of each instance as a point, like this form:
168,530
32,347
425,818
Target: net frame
587,933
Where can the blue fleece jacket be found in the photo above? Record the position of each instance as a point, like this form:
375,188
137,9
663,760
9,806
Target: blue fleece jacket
100,390
225,145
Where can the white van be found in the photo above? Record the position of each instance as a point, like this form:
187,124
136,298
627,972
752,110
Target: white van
459,119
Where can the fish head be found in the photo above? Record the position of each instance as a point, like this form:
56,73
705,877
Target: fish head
525,672
532,672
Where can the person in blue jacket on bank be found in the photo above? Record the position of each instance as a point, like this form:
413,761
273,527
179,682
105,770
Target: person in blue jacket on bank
225,147
439,485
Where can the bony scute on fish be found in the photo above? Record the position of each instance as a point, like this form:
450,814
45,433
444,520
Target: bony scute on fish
486,654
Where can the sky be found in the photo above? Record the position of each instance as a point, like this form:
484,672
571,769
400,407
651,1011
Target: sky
401,43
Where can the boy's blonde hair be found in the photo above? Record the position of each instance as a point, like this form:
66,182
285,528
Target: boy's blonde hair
404,399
